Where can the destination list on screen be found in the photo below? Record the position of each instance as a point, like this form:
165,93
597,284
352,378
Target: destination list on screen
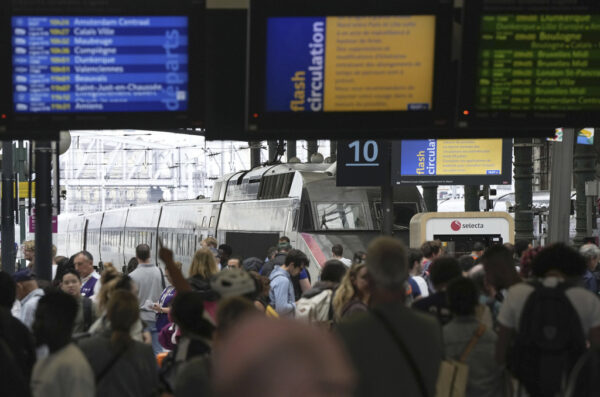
539,63
99,64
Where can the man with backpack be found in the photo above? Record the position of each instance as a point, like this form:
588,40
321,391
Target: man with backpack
547,321
315,306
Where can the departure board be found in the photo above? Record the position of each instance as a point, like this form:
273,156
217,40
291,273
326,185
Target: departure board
99,64
539,62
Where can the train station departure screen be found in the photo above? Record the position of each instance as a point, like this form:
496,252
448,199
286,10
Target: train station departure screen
539,62
350,64
69,64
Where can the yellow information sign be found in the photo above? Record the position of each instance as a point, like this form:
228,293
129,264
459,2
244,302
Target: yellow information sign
23,190
469,156
379,63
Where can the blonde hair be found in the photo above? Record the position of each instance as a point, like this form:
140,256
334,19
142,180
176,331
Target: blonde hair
210,242
346,291
108,281
29,245
203,264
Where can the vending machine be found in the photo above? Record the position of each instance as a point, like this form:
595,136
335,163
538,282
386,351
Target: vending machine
459,231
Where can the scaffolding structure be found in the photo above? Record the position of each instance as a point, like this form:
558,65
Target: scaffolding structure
112,169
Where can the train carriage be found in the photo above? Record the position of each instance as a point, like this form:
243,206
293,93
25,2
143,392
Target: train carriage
250,210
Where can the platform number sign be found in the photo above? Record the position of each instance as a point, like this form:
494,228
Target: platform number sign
362,163
369,152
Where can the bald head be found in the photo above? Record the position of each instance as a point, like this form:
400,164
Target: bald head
302,361
387,262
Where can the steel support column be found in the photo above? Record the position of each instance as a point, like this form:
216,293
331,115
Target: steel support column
430,197
471,197
584,169
523,189
254,153
291,149
560,188
43,211
8,218
312,147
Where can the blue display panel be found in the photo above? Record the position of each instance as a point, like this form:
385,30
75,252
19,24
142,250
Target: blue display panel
87,64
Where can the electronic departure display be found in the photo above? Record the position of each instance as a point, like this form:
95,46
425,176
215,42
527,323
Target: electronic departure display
452,161
346,63
342,69
67,64
539,62
529,68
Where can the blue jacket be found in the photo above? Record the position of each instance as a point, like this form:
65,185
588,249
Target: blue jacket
282,292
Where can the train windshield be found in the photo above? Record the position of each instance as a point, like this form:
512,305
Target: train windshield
403,213
341,216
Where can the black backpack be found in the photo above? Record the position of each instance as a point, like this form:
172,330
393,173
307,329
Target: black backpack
584,379
549,341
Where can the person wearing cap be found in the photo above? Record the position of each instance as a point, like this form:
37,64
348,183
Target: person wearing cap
28,294
90,279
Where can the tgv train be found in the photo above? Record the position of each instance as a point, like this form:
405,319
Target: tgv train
249,210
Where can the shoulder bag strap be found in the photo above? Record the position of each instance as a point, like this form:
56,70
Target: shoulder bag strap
162,277
110,364
405,352
478,333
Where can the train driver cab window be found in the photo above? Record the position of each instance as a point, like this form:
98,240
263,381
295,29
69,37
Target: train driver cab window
403,213
340,216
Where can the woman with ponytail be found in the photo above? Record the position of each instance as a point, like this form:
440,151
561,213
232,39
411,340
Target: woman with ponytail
122,366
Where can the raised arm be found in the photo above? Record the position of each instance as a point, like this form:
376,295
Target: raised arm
177,278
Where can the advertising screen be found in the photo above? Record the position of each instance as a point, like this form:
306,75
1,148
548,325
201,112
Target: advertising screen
345,63
80,64
452,161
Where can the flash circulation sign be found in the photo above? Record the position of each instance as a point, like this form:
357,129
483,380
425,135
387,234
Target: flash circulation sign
350,69
452,161
98,64
349,63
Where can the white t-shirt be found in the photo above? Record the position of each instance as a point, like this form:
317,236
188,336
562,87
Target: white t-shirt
64,373
346,261
586,304
422,286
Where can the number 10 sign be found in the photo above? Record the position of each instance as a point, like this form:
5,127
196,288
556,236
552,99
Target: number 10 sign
363,163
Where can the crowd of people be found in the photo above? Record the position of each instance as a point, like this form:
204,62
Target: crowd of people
523,320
